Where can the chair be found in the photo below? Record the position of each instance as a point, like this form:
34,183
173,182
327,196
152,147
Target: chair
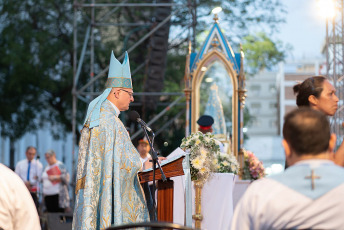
150,225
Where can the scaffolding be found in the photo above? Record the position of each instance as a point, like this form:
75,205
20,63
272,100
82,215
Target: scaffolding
86,92
335,64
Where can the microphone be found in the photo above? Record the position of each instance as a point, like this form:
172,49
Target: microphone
134,116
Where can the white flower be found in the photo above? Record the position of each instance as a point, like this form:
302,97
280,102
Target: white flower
203,170
203,152
223,155
233,168
201,161
225,163
197,163
215,161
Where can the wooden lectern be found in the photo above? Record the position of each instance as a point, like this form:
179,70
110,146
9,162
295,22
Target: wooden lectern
165,189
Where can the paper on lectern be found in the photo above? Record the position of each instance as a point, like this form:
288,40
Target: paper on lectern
177,152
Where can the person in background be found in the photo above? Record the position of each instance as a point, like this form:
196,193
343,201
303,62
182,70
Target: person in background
205,123
17,209
309,193
55,184
318,93
143,148
30,171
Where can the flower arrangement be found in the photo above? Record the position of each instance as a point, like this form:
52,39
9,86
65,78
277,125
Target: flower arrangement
203,151
227,163
253,168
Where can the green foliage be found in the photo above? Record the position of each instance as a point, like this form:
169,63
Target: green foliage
227,163
36,43
36,65
261,52
238,17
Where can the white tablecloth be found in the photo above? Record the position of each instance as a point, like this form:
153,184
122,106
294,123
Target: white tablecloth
239,190
217,201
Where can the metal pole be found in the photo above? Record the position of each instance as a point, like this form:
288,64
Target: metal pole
158,116
108,14
169,122
123,24
334,66
129,50
82,55
187,91
139,67
131,5
75,44
342,33
140,93
92,47
327,51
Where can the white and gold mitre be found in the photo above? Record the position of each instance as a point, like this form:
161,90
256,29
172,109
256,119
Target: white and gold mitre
119,74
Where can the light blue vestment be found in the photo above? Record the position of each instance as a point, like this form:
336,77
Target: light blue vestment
328,176
307,195
108,190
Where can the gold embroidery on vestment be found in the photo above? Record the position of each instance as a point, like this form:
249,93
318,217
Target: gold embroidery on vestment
80,184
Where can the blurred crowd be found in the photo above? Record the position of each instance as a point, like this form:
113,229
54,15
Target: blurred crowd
46,190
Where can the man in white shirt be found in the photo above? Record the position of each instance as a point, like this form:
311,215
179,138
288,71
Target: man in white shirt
17,210
30,171
309,194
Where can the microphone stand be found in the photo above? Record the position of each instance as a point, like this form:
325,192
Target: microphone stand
155,162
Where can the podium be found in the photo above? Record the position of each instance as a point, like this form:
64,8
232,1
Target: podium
172,168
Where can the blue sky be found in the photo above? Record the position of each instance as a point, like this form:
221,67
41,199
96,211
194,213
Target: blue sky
305,29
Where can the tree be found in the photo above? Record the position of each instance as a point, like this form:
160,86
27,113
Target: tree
36,44
262,53
238,17
237,20
36,66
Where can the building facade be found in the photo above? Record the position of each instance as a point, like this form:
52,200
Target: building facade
290,74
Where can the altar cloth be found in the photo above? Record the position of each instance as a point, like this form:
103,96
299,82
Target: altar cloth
217,201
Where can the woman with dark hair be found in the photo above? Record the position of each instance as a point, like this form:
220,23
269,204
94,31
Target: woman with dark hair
318,93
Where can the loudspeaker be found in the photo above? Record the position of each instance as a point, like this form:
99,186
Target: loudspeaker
59,221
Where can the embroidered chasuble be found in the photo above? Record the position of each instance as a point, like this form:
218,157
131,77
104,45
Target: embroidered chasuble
308,195
108,189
